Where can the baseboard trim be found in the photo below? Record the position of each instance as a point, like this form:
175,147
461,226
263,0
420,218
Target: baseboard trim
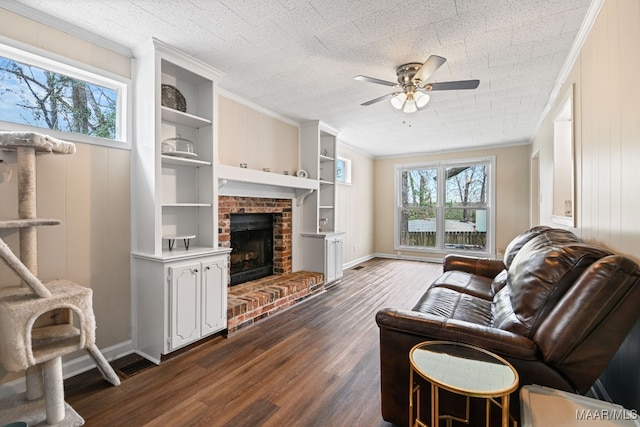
408,258
358,261
71,367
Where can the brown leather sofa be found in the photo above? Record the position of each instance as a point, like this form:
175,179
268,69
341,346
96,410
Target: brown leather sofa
557,308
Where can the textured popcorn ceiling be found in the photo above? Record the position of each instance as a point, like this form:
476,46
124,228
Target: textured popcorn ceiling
298,58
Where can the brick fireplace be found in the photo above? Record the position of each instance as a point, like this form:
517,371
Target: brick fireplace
281,210
256,299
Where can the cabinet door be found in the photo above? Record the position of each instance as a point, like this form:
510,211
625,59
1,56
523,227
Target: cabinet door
214,296
185,304
329,260
338,258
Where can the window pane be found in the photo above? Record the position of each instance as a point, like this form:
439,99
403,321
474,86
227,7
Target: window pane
465,228
419,187
466,186
418,227
340,171
38,97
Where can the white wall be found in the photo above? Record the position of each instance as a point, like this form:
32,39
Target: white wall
355,207
607,148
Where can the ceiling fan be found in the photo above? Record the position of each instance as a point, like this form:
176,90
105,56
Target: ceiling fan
412,80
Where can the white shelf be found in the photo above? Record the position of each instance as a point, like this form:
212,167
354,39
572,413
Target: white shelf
182,161
186,119
326,207
322,181
234,173
186,205
324,158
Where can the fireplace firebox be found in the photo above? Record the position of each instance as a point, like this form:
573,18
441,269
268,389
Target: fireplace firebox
252,246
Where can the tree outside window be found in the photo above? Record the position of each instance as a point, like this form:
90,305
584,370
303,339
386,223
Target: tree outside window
41,98
444,206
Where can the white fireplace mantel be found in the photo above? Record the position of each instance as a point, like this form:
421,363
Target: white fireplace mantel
230,175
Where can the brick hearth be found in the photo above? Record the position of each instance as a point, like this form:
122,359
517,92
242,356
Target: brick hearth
251,301
257,299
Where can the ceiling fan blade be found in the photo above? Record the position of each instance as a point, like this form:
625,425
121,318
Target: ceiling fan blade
373,101
429,67
457,85
374,80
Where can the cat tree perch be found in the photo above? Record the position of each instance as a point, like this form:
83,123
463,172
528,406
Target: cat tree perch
37,324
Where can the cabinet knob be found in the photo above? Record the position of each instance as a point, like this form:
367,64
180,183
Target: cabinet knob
207,268
194,271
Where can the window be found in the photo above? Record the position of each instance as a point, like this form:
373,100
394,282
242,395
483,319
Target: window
445,206
343,170
38,92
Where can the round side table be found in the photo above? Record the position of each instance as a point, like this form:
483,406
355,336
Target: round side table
462,369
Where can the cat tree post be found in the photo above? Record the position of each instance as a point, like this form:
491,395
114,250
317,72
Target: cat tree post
26,160
28,339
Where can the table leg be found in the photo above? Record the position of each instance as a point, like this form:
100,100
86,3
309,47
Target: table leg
505,411
435,408
410,397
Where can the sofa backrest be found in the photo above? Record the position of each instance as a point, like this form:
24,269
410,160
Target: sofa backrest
520,240
587,326
539,275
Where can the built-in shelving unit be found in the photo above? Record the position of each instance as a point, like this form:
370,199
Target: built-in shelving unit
322,243
179,272
318,157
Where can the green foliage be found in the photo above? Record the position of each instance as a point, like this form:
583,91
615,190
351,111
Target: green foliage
56,101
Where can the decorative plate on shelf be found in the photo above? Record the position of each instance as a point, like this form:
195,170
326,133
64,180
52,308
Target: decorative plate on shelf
184,154
172,98
302,173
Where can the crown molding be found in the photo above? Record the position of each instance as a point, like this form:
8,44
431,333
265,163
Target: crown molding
574,52
256,107
65,27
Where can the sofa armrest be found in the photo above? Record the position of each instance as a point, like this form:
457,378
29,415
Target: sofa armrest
432,327
486,267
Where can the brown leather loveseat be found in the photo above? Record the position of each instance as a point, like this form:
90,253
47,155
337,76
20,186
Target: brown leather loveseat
557,308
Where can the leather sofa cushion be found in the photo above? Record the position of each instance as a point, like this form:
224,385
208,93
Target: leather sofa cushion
519,241
452,304
466,283
540,274
499,282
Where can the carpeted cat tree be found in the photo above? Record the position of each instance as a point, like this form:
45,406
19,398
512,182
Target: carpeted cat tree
39,323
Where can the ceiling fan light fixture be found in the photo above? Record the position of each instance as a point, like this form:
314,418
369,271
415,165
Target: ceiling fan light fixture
422,99
398,100
410,106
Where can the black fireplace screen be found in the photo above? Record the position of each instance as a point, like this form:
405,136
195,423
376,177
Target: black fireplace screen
252,247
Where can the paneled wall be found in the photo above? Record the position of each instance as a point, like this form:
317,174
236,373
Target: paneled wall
260,140
355,207
88,191
607,126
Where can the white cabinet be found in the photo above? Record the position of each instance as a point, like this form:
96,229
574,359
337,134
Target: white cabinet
179,273
178,301
333,257
198,300
323,254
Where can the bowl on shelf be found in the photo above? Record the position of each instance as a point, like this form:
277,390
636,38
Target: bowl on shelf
172,98
178,147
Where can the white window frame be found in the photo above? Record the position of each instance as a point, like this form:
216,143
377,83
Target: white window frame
441,166
347,170
24,53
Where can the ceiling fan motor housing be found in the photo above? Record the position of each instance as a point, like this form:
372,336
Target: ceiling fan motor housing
406,72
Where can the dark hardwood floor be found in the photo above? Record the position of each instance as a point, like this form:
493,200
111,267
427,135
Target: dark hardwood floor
315,364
